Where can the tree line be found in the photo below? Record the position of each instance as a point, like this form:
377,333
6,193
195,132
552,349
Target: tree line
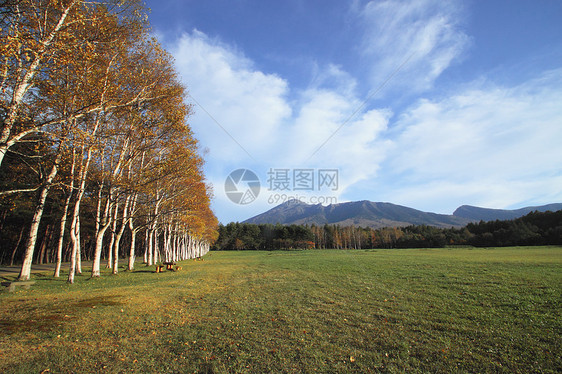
535,228
96,157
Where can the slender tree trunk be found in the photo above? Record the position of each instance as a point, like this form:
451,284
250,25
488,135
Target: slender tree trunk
43,247
60,244
99,237
63,227
182,247
75,223
74,237
146,246
39,259
166,235
98,205
25,271
17,245
46,242
116,255
66,252
132,250
119,234
133,234
79,251
153,251
156,246
97,251
111,247
176,248
2,221
149,247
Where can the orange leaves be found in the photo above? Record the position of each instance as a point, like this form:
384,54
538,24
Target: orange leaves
88,77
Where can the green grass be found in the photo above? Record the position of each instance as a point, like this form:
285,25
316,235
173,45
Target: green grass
416,310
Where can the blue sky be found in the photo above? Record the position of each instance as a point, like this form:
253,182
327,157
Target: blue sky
430,104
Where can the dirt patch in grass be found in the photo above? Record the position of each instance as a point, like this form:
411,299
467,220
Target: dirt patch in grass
104,300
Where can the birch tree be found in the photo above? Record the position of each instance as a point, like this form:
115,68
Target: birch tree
84,79
37,39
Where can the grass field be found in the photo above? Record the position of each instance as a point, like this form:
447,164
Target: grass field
416,310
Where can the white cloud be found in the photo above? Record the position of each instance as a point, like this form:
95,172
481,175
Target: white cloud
490,145
333,77
484,145
356,147
279,128
424,35
249,104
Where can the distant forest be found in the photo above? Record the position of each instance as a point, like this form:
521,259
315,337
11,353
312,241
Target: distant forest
535,228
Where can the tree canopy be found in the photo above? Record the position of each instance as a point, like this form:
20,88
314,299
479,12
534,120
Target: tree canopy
94,139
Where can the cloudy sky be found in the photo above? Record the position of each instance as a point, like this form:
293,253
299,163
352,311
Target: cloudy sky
425,103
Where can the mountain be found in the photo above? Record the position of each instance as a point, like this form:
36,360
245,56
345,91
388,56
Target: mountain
357,213
377,214
475,213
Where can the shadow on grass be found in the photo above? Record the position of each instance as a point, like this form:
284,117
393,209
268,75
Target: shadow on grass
206,368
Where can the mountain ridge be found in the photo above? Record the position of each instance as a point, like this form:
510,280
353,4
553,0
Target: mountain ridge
489,214
383,214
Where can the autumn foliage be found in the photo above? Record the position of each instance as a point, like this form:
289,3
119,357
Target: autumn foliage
96,157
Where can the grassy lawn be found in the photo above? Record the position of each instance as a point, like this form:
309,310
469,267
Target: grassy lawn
416,310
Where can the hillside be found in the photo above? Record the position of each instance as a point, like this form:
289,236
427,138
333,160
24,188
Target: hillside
357,213
380,214
475,213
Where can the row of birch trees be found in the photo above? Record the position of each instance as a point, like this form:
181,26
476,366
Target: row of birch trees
93,129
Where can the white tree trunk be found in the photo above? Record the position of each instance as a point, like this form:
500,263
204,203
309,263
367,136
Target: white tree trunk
133,230
104,225
131,265
63,219
97,251
25,271
79,251
155,246
111,247
149,247
119,234
146,246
